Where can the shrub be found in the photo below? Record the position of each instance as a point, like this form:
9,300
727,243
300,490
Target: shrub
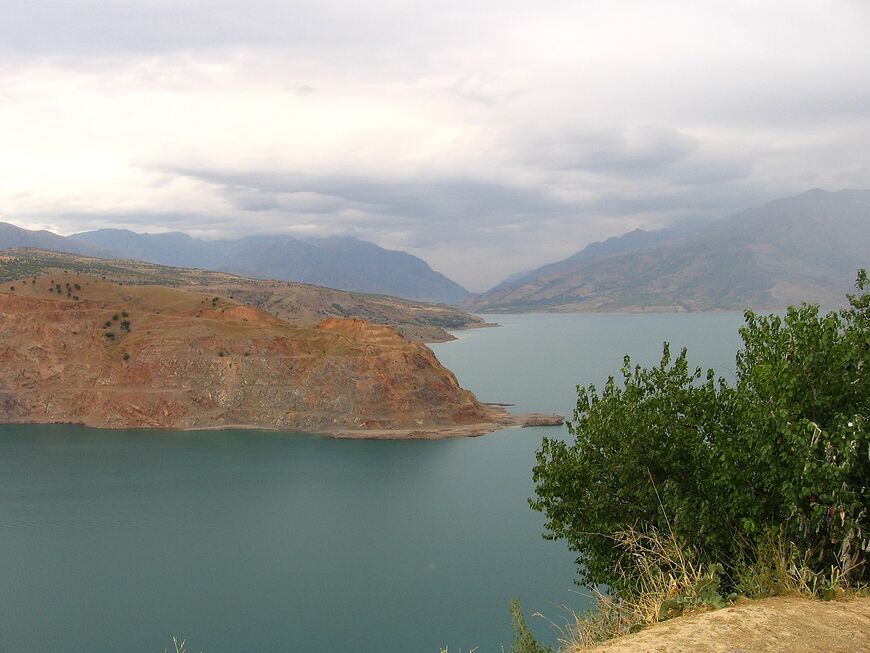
676,450
524,641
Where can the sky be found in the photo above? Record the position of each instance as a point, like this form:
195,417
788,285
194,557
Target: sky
486,137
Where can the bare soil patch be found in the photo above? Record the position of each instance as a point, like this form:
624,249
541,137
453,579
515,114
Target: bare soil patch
781,624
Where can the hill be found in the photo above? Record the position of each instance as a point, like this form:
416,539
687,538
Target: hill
78,349
806,247
776,625
339,262
296,303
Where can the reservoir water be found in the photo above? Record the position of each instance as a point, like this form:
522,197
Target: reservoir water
267,542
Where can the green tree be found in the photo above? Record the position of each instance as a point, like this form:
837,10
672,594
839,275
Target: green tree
672,448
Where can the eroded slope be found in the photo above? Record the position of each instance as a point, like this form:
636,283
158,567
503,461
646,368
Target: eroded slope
78,349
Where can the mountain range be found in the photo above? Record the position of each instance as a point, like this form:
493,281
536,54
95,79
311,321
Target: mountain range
802,248
339,262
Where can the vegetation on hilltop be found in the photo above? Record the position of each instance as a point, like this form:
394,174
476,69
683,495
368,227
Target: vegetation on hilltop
299,304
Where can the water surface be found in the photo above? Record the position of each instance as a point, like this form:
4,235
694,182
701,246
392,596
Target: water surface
256,541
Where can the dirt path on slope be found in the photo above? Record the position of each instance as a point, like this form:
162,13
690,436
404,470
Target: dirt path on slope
781,624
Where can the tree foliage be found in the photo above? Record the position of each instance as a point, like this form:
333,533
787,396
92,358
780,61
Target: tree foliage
676,449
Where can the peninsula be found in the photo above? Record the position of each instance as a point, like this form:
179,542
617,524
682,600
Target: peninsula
79,349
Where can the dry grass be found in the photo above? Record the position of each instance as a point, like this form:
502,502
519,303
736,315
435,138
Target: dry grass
663,578
778,569
179,645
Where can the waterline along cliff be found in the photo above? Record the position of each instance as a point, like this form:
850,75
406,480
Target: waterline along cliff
77,349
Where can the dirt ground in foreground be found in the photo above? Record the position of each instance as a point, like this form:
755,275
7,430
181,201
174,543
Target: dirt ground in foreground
781,624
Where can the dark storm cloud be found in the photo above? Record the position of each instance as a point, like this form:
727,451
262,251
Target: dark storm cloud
433,204
645,152
649,151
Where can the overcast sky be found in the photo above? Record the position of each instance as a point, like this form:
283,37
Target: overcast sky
486,137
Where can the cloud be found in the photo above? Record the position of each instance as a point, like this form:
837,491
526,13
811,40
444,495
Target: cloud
410,199
486,137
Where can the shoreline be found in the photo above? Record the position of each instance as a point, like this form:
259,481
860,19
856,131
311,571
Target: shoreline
520,420
499,422
450,335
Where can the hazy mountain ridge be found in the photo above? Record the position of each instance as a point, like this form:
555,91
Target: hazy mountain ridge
12,236
806,247
339,262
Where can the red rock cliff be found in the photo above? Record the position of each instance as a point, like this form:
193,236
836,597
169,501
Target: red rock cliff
104,355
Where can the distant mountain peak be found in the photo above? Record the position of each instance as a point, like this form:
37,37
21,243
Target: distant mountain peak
342,262
807,247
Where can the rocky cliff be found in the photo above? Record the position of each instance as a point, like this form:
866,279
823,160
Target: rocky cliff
82,350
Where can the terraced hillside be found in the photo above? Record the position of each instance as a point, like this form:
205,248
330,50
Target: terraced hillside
80,349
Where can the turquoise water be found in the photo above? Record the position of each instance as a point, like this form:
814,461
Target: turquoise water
254,541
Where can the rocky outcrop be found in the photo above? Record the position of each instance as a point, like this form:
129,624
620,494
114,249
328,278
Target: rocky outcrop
81,350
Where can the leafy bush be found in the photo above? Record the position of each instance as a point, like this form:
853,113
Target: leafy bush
675,450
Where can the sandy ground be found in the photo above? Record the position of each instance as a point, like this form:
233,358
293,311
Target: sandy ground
781,624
